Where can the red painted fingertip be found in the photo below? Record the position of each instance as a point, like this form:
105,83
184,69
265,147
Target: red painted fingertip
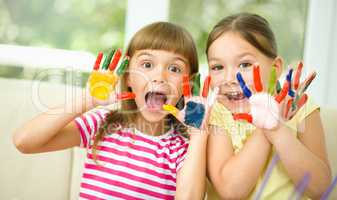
186,86
115,60
243,116
98,60
126,96
257,78
283,92
298,75
205,89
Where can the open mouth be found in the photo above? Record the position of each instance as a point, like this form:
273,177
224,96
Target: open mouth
155,100
234,96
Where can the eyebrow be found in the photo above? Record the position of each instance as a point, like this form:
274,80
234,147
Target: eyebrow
214,59
181,59
144,54
244,54
237,56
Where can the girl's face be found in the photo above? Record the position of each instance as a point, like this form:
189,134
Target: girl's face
229,54
155,76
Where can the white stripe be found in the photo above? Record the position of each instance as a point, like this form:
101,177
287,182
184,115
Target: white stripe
135,162
135,172
165,151
155,139
129,181
117,189
91,123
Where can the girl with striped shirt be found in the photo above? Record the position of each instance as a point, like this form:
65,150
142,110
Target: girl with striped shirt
138,151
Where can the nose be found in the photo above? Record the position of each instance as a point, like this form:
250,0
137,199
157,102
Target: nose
159,75
230,75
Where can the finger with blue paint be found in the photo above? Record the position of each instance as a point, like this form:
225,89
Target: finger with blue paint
246,91
289,79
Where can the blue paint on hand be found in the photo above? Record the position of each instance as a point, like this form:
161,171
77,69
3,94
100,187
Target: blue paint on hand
243,85
288,77
194,114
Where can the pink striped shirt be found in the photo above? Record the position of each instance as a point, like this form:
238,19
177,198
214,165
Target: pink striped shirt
131,164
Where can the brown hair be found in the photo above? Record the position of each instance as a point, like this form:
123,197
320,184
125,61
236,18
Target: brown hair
157,36
253,28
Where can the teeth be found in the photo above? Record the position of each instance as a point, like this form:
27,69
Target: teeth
234,95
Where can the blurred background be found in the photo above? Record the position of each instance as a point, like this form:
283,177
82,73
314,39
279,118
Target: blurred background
48,47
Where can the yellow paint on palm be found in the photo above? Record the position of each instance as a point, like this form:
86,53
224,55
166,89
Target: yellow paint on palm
102,84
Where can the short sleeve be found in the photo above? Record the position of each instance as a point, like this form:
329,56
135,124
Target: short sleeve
88,124
182,153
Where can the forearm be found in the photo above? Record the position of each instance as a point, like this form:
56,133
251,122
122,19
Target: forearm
41,129
244,169
302,161
191,181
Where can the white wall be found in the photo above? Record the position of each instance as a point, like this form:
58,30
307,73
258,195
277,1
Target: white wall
320,50
142,12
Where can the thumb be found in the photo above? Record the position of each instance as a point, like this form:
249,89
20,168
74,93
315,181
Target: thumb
174,111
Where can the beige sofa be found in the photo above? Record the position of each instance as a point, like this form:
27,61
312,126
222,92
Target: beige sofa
55,176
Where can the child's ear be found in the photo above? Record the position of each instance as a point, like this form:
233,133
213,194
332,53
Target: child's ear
278,63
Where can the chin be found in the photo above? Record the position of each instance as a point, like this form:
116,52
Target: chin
241,106
153,116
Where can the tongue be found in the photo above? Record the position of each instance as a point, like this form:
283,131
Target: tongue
155,101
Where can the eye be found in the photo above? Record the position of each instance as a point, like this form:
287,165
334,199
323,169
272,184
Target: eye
245,65
174,69
147,65
217,67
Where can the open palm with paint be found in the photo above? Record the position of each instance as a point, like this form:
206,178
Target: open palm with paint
267,108
197,105
103,79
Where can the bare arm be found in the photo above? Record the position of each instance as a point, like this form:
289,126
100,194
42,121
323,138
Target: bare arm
228,171
304,155
49,131
191,178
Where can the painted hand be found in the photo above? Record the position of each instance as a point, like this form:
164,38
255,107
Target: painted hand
267,108
102,81
197,106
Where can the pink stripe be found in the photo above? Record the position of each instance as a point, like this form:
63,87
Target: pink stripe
108,192
135,157
134,167
94,120
82,133
90,197
131,177
101,115
85,121
127,186
145,149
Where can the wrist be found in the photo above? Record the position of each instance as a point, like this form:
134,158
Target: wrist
279,134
